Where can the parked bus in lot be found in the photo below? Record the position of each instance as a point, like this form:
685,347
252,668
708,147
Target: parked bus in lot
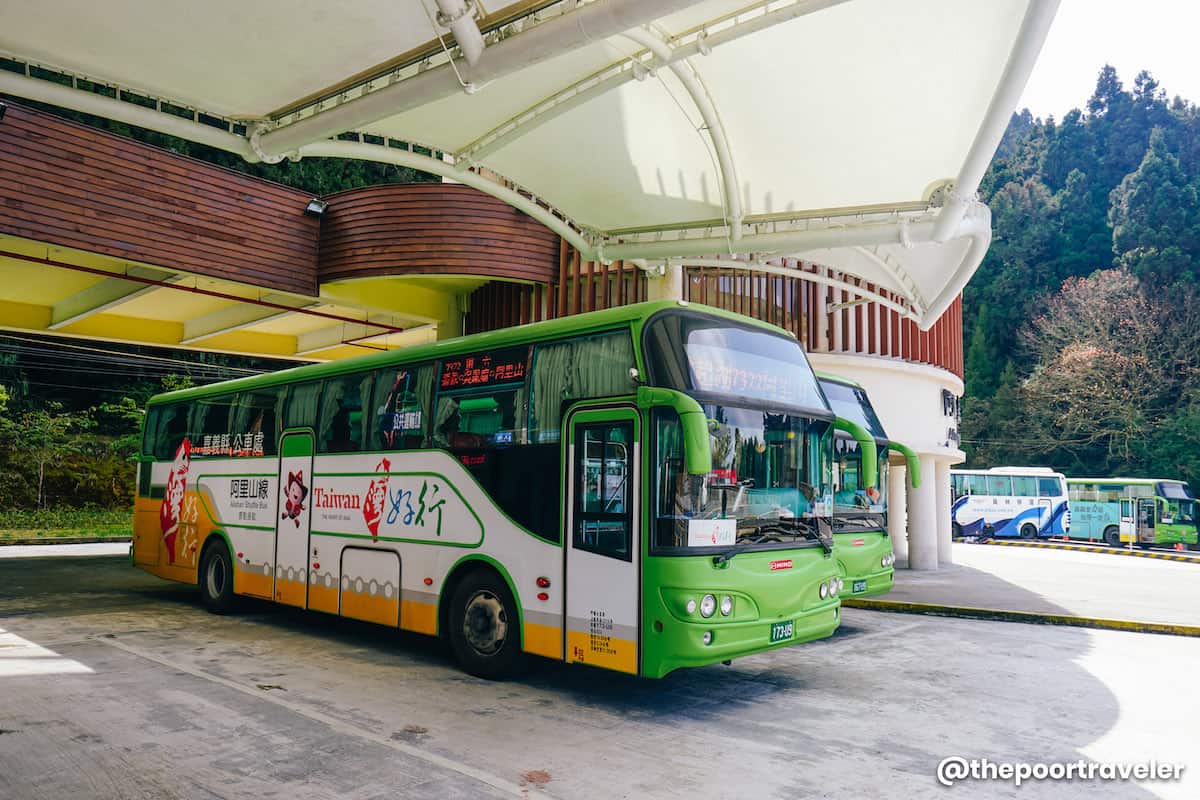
860,476
1029,502
635,489
1154,511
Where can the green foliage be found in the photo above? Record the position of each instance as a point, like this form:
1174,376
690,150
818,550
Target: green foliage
1070,363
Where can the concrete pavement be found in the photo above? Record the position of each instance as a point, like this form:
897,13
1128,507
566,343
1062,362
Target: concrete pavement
138,692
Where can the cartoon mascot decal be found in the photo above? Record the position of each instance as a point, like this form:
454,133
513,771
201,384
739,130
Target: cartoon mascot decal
171,510
293,497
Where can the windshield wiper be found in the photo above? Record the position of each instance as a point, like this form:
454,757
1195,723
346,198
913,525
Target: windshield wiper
787,525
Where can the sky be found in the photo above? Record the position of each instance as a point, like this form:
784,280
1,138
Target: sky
1156,35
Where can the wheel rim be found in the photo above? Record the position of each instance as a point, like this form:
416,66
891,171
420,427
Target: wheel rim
485,623
215,577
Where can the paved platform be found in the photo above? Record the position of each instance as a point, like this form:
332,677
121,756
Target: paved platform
1066,582
114,684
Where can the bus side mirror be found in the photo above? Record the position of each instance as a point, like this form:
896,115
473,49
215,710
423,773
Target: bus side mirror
697,450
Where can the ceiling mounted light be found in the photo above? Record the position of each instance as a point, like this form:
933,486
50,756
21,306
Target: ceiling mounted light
316,207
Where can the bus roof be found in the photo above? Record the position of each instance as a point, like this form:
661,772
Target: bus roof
828,376
1008,471
520,334
1132,481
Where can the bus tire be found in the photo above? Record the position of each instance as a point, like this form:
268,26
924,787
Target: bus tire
1112,536
1029,531
216,578
484,626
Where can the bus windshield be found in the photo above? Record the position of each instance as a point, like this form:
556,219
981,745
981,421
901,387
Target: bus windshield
1181,503
770,484
857,507
721,359
850,402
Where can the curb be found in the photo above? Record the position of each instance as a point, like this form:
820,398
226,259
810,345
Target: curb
1191,557
67,540
1033,617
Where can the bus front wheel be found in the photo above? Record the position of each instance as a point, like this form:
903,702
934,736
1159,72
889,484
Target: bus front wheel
216,579
1112,536
484,626
1028,531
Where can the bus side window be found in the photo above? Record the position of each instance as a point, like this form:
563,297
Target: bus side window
256,417
171,430
1049,487
208,426
149,427
300,407
1024,486
574,369
999,485
400,419
343,424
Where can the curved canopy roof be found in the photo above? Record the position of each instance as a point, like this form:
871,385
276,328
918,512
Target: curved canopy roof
850,132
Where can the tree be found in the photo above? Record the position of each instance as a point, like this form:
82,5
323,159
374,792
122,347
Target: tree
47,437
1155,218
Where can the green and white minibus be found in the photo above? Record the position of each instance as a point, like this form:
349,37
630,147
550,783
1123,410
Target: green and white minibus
861,451
636,489
1145,511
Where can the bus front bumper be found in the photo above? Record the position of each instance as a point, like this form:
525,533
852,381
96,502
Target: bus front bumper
870,585
681,644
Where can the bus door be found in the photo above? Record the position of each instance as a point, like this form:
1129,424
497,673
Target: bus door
603,537
1128,524
293,517
1145,519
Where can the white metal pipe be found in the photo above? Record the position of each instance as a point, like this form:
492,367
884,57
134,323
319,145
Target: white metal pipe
976,227
1030,38
459,17
597,20
405,158
689,76
99,105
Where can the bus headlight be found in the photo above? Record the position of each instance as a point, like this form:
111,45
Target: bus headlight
708,606
691,606
726,606
707,638
841,584
823,591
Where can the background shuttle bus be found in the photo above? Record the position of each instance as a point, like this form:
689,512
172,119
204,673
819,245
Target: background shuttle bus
1029,502
862,545
631,489
1153,510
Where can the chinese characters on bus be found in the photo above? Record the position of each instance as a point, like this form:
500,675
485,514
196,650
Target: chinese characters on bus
231,444
485,369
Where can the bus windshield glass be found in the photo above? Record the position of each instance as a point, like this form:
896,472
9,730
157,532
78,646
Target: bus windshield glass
857,507
850,402
719,358
1181,503
770,484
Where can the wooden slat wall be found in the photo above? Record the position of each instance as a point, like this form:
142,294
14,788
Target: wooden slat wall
67,184
432,229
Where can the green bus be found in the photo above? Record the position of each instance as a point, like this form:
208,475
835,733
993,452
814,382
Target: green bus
861,451
635,489
1145,511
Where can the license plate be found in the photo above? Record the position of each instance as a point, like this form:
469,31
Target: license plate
781,631
858,586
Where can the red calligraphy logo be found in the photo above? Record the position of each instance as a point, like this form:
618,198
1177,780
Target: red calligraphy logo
376,496
171,510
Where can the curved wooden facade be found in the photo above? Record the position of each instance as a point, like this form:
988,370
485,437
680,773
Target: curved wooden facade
432,229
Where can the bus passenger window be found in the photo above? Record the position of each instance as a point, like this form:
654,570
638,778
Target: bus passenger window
208,427
256,419
1024,486
1049,487
170,431
343,424
479,421
401,403
300,407
588,366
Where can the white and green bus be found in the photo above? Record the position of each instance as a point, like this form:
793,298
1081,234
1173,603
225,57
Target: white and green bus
1145,511
639,489
861,453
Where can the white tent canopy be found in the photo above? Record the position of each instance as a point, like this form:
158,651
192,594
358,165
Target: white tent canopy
849,133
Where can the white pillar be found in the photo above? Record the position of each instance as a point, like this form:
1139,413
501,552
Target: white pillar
898,512
922,519
668,286
942,487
